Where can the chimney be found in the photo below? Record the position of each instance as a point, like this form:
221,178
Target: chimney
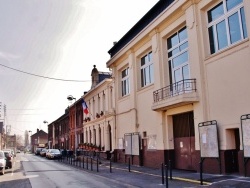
37,130
114,43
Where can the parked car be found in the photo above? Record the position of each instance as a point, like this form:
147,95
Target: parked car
38,150
2,162
53,154
9,159
11,151
43,152
47,153
18,151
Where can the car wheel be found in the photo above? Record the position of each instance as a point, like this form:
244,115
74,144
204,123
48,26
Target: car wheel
3,170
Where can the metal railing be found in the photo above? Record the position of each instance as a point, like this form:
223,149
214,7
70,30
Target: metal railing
178,88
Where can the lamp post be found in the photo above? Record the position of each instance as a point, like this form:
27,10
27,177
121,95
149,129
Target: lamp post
70,98
45,122
31,140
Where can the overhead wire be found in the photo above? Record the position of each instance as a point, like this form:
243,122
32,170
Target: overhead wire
51,78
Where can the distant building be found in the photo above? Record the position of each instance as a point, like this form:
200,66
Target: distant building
39,139
1,136
99,123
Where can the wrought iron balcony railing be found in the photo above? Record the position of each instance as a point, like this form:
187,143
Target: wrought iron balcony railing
178,88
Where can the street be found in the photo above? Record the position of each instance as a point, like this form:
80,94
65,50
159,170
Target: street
34,171
40,172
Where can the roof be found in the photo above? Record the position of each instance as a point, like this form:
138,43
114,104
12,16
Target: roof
103,76
157,9
40,132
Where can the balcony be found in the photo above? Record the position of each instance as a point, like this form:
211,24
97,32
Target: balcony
177,94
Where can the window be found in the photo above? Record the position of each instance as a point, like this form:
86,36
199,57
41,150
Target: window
147,70
125,82
178,56
226,24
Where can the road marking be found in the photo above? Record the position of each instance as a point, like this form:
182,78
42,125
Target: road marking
32,176
235,179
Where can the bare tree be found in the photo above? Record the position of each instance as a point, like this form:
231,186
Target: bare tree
19,141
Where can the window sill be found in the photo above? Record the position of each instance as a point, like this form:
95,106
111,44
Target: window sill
145,88
226,51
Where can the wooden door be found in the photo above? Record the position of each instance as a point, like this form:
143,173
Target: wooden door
184,141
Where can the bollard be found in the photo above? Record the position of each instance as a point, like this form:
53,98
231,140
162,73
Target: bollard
83,162
166,171
129,164
91,164
87,163
110,166
97,165
162,174
170,170
201,178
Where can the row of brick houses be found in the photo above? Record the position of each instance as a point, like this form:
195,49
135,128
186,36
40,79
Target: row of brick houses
177,91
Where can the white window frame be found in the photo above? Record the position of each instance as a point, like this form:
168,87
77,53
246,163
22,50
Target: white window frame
125,86
225,17
147,77
175,68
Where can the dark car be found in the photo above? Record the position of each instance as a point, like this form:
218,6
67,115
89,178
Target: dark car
54,154
38,150
9,159
43,152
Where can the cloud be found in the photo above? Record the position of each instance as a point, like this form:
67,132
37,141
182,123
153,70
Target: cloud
8,56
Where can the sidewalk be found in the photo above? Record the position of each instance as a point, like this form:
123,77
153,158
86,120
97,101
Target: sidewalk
139,176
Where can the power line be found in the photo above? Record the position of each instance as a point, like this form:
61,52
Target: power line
58,79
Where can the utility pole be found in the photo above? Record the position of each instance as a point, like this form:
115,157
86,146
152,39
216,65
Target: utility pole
6,141
1,128
2,118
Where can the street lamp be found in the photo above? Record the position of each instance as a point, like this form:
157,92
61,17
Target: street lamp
30,136
31,140
45,122
70,98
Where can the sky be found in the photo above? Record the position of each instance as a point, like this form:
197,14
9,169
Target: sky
45,39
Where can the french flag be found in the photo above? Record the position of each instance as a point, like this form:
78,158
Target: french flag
85,107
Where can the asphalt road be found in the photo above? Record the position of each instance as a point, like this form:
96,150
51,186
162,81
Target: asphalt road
38,172
35,171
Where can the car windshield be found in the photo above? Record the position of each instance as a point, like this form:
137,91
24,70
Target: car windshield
6,154
55,151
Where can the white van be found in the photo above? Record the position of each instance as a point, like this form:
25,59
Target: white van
2,162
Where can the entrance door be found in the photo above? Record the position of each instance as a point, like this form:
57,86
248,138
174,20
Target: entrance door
184,141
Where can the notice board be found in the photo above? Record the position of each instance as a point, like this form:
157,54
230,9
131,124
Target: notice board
132,143
209,139
245,127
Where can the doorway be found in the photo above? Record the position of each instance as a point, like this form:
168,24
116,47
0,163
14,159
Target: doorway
184,141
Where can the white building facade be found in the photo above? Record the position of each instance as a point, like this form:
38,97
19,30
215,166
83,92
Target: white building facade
183,65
